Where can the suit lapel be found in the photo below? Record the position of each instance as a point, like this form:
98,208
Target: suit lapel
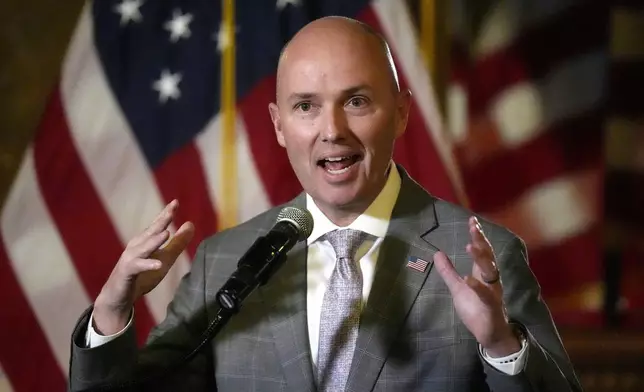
395,285
285,295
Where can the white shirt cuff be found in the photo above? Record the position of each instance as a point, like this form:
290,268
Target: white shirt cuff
94,339
512,364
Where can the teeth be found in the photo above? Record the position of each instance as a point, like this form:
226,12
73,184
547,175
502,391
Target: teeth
336,159
339,171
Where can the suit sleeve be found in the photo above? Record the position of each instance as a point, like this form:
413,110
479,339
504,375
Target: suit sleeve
120,360
547,366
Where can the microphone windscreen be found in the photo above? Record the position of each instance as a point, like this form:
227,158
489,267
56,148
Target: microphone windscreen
300,217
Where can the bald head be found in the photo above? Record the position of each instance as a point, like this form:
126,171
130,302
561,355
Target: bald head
333,34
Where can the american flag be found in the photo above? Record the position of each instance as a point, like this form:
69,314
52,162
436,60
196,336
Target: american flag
418,264
135,121
526,108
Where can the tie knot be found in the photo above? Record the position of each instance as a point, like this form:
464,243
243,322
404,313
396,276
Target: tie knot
346,242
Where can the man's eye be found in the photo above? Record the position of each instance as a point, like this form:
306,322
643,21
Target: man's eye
304,106
357,102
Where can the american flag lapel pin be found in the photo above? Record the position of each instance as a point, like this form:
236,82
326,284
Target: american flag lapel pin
417,264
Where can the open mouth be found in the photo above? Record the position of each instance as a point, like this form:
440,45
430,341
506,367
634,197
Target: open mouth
339,165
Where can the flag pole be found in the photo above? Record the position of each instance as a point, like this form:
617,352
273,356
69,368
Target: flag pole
432,37
435,50
229,187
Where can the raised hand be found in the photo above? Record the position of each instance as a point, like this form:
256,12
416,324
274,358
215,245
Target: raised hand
141,267
478,299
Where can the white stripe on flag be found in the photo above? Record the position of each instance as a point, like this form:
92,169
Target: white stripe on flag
108,149
553,211
41,262
456,106
252,196
5,385
398,28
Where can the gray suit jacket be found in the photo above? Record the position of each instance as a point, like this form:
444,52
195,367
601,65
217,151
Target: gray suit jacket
410,337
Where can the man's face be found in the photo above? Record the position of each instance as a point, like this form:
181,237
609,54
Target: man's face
338,115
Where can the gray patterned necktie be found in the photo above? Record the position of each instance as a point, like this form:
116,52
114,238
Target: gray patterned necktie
340,314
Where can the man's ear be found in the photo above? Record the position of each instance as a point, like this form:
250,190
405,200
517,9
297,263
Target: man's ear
277,123
403,106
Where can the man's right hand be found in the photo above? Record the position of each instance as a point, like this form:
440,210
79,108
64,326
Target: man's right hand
142,266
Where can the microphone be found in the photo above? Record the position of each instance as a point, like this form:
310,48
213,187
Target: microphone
265,256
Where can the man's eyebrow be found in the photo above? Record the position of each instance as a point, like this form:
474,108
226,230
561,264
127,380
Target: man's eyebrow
300,96
357,89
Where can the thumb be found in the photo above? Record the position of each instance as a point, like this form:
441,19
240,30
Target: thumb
447,271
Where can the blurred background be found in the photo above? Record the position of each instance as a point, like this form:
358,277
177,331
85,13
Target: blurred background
526,111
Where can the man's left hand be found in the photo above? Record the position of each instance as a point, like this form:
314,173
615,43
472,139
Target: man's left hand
478,299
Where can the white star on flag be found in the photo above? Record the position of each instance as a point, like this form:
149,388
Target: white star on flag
129,11
168,86
281,4
178,26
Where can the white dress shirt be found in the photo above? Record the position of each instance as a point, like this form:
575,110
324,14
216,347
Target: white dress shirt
321,262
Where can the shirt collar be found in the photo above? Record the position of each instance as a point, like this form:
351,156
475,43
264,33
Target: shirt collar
375,219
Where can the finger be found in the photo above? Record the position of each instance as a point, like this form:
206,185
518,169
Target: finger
481,251
477,274
177,243
447,271
151,244
480,289
164,218
483,260
479,239
160,223
138,266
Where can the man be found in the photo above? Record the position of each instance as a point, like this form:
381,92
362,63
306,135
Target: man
345,312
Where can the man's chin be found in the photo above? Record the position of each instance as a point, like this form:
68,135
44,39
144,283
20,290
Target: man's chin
340,199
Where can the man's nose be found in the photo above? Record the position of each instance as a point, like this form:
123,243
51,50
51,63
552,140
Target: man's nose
335,127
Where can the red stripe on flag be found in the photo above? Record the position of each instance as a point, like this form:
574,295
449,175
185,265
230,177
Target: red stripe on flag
579,257
509,173
182,177
25,354
271,160
76,209
416,150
